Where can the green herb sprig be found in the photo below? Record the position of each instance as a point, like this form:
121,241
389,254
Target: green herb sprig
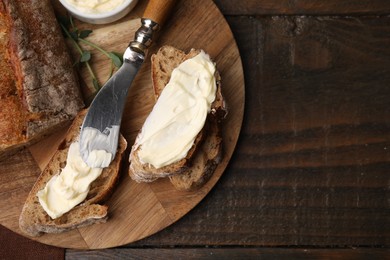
77,36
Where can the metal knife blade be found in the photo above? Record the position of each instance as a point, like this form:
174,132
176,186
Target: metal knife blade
99,132
100,129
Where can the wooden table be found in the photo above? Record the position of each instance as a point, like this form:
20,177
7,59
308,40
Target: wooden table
310,176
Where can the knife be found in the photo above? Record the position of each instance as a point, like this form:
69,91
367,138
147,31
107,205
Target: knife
99,132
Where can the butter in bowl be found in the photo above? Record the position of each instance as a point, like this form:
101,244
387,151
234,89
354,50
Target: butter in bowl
99,11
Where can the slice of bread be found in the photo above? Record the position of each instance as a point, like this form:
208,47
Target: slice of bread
205,154
34,220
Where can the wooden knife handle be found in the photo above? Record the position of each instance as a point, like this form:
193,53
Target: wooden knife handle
158,10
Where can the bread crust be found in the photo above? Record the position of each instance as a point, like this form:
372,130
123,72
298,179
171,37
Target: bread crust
34,220
163,62
204,162
42,87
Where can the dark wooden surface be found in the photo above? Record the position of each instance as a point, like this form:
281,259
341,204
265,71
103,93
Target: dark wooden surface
310,177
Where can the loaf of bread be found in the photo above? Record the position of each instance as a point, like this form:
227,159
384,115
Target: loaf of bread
205,154
39,90
34,220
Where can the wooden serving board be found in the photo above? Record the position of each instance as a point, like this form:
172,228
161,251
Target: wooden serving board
136,210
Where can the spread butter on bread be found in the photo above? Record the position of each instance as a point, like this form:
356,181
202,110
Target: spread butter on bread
34,219
192,169
39,90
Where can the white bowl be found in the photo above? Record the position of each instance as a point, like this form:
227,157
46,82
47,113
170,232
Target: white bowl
102,17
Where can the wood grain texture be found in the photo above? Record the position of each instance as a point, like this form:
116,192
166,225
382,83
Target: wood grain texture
304,7
14,246
312,163
311,167
229,253
158,11
137,210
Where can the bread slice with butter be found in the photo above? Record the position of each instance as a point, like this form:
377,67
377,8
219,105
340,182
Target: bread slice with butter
201,160
34,220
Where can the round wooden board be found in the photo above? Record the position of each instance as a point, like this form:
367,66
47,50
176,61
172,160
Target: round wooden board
137,210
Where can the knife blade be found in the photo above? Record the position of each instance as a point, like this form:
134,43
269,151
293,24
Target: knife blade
99,132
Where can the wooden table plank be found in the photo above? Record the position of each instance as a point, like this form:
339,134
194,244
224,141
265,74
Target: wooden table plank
304,7
230,253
